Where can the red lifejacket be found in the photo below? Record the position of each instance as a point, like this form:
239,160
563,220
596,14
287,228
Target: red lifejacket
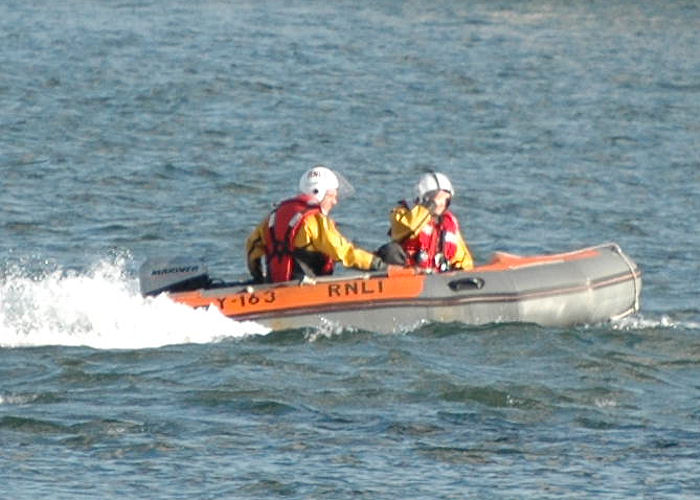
283,226
435,245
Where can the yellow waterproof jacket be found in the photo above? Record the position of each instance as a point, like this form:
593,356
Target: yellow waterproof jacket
316,234
406,224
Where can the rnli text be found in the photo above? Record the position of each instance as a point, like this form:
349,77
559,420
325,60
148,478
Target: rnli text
364,287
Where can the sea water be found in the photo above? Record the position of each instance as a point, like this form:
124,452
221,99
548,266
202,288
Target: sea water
147,128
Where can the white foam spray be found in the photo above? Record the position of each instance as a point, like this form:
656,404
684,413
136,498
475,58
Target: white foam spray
641,322
102,308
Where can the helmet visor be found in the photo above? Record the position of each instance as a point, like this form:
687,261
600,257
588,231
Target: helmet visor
345,189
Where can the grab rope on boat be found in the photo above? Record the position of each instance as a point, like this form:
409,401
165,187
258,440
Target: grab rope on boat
633,272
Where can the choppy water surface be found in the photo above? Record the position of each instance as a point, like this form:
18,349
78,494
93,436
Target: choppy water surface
135,129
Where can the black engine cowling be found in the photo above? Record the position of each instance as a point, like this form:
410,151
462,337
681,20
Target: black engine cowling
178,274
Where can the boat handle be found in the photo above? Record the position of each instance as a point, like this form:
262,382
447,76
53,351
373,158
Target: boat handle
466,284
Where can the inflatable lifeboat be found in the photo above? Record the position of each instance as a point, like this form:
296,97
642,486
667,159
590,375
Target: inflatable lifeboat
585,286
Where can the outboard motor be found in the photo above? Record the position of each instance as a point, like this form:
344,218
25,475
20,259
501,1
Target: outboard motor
176,274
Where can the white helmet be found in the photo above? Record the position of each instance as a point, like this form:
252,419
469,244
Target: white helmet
319,180
431,183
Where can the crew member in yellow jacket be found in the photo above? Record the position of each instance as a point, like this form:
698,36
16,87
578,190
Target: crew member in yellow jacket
428,233
299,239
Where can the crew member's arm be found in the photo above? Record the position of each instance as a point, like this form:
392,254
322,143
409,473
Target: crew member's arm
406,223
255,250
318,233
463,258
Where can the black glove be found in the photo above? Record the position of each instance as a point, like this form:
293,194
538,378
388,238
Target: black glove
256,271
377,264
392,253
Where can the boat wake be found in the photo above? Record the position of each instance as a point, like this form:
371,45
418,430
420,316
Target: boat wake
102,308
641,322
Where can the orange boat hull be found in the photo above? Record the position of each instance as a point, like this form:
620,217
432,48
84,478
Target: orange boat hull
585,286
